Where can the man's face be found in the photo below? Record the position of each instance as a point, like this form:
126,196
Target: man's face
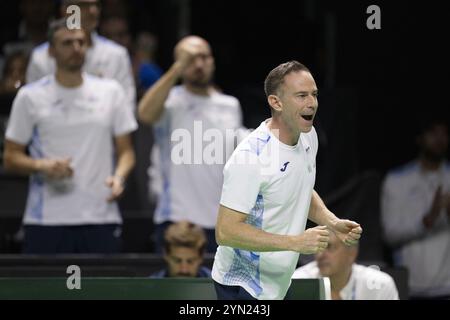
116,29
298,95
90,13
183,262
336,258
434,142
69,49
200,71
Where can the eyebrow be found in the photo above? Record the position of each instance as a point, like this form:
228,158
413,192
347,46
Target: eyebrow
306,92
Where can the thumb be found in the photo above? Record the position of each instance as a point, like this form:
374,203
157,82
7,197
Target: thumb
351,224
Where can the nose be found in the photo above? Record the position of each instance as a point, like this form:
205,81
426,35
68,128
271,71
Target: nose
77,46
312,101
199,62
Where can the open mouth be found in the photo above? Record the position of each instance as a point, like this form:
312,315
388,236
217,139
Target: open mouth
308,118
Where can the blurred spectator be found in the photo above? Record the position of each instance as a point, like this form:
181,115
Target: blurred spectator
104,58
73,124
33,27
416,211
184,247
115,8
13,73
146,71
188,191
116,29
349,281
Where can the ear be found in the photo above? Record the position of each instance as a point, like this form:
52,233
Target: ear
275,103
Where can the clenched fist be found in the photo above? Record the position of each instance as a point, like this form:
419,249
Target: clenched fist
313,240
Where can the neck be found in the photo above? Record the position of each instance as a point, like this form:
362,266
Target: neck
69,79
282,131
429,165
340,280
201,91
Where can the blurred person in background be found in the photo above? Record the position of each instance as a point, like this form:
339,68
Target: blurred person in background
32,29
349,281
415,207
116,29
104,58
146,70
142,51
14,73
33,26
184,248
187,191
73,123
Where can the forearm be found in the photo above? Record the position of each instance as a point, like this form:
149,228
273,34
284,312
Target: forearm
151,105
247,237
319,213
125,163
20,163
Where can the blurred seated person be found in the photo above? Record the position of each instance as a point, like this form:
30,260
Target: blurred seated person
184,247
142,51
349,281
415,204
13,76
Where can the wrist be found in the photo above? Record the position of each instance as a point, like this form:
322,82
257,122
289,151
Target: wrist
291,243
38,166
177,68
332,221
120,178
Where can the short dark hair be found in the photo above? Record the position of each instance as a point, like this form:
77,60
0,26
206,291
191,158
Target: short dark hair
276,77
54,27
185,234
426,124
